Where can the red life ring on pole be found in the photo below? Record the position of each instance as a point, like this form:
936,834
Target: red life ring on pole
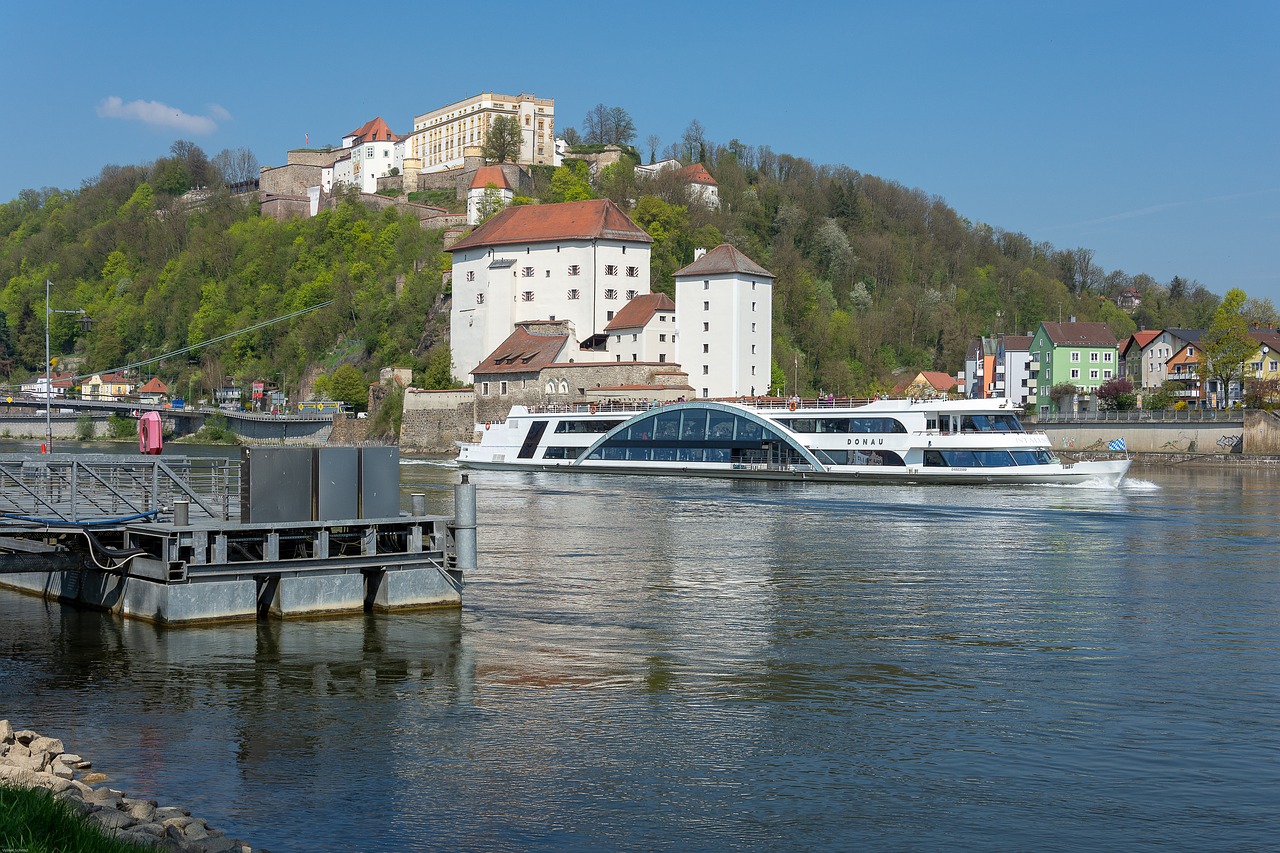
792,405
592,409
487,424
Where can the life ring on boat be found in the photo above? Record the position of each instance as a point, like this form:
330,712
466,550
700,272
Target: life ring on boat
487,424
592,408
792,405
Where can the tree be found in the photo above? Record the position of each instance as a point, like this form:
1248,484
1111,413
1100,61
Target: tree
1117,395
490,202
502,143
693,142
571,136
595,125
347,385
569,182
1226,346
652,141
621,129
236,167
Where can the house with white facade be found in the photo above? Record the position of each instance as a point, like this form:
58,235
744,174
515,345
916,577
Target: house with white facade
579,262
373,152
491,181
724,309
440,138
644,330
702,187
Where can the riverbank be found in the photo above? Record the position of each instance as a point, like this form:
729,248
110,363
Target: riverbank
29,760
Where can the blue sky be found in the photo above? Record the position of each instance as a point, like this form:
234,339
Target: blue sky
1146,131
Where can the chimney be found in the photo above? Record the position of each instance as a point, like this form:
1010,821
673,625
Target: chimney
1071,319
697,253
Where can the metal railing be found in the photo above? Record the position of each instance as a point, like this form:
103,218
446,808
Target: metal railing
103,489
1215,416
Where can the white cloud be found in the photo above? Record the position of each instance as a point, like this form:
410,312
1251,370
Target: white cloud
219,112
160,115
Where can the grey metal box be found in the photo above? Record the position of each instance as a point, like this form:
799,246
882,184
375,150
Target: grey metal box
337,478
379,482
276,484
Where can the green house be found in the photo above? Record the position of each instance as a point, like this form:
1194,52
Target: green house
1083,354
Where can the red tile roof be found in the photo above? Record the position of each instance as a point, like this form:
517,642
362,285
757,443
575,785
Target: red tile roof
1139,339
724,259
1017,343
154,386
546,223
374,130
522,352
939,380
1080,334
696,173
486,175
639,311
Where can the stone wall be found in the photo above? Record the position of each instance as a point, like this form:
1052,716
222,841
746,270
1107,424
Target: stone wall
289,180
433,420
1261,433
1147,436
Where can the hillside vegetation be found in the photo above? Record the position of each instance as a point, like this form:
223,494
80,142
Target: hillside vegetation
873,279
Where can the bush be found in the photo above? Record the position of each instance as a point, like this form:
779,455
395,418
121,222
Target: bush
121,426
1117,395
84,428
216,431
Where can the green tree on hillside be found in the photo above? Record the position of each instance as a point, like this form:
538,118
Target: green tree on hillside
503,141
1226,346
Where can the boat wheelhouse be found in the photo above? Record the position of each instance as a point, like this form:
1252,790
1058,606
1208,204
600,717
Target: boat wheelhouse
957,441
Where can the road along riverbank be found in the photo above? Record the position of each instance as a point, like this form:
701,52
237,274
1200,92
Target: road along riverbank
29,760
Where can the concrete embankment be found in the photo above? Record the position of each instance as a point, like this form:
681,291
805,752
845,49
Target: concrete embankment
28,760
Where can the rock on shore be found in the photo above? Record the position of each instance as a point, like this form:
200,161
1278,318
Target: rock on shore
28,760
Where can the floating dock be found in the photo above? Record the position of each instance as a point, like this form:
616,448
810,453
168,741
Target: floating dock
281,532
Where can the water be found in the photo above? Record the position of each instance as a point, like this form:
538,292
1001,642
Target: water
698,664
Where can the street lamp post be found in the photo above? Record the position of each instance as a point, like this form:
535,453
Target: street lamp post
48,367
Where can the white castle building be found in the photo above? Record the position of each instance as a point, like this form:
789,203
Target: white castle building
585,266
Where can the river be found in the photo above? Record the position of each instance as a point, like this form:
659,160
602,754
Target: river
713,665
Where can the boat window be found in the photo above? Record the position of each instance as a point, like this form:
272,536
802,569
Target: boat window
806,426
694,427
933,459
696,434
1003,422
664,454
859,457
993,458
689,454
561,452
586,426
719,425
1033,457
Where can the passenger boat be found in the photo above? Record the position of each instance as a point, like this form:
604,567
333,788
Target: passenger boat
892,441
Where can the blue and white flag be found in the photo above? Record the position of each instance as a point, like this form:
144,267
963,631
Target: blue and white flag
1116,444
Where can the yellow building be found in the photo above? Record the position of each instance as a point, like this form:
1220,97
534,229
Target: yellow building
440,137
108,387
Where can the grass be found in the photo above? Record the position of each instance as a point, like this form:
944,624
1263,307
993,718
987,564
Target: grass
32,821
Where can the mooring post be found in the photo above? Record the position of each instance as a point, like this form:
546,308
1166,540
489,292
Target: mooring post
181,513
464,524
419,505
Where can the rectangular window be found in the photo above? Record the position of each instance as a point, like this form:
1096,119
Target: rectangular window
1093,356
706,285
753,306
608,315
706,369
1106,374
1075,356
706,347
527,272
527,296
662,339
753,349
662,356
502,388
610,293
575,294
706,306
610,269
753,327
548,273
484,389
479,298
633,272
574,269
471,275
631,294
635,338
705,393
753,370
1093,374
1075,373
706,327
1106,356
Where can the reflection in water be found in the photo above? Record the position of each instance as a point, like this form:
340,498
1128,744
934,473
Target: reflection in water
709,664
